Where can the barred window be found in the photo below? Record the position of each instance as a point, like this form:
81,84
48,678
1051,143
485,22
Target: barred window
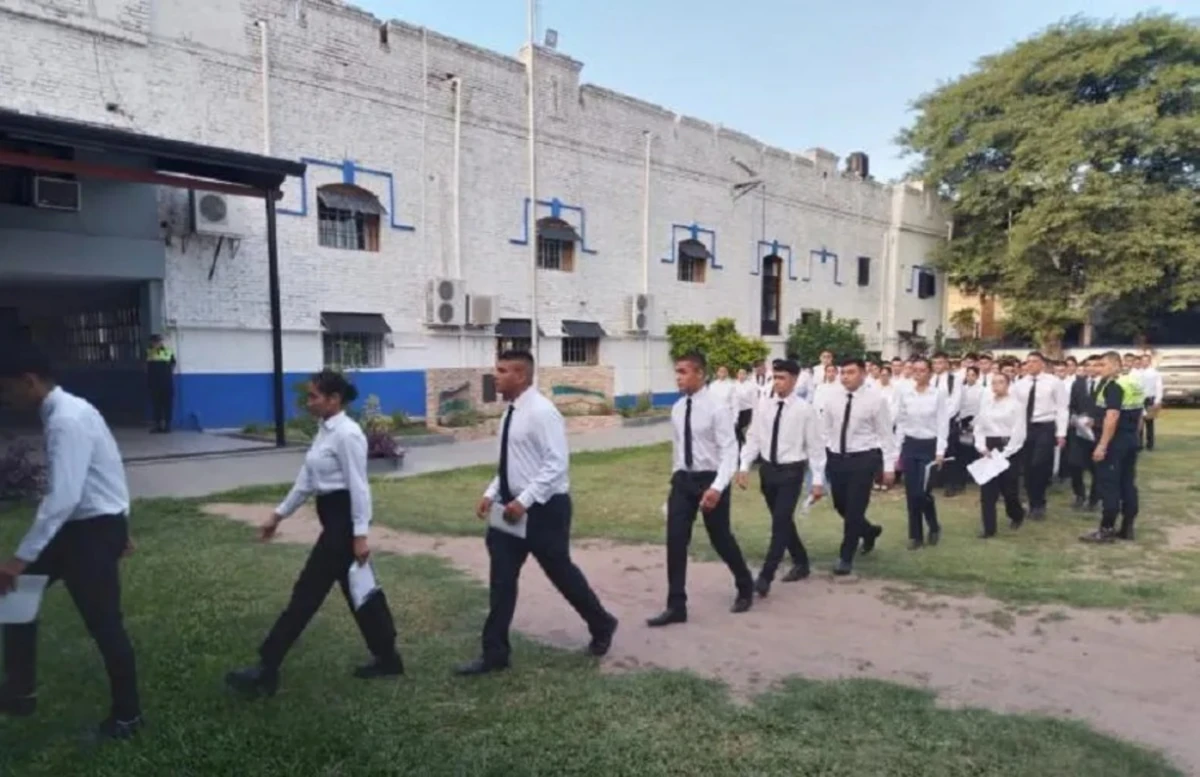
513,344
691,270
353,351
556,245
580,351
348,218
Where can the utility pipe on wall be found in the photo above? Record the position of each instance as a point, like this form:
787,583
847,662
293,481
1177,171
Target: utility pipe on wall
457,84
647,383
266,85
532,233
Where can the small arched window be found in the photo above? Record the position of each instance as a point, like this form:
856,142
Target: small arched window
349,217
556,241
772,295
692,261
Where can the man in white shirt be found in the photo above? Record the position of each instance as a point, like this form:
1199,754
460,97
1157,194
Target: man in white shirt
533,486
79,536
746,396
766,385
817,373
704,458
722,387
950,383
1046,403
860,441
986,365
1152,385
786,437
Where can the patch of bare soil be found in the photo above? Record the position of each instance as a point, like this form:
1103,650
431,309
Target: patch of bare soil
1130,678
1183,537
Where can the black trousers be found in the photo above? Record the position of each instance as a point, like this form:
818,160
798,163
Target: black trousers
1079,461
329,563
687,488
548,539
162,400
1003,485
1116,482
915,456
781,487
956,471
86,556
1148,426
851,479
1039,462
743,423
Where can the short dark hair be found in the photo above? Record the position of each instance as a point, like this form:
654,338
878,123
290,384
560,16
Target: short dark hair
886,368
1128,354
972,356
853,361
940,355
1070,360
987,356
790,366
516,355
974,370
1035,355
922,360
330,382
21,357
1112,355
694,358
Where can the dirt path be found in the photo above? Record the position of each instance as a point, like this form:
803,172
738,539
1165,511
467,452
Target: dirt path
1137,680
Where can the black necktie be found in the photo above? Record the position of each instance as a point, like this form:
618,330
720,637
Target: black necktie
1032,398
775,434
845,424
506,495
687,435
950,383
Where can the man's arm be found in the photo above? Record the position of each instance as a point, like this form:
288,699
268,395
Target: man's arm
753,447
1111,396
1061,409
814,444
69,453
943,424
551,433
352,455
726,446
887,440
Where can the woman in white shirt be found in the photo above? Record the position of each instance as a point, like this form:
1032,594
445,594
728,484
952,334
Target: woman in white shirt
335,470
829,384
1000,431
923,425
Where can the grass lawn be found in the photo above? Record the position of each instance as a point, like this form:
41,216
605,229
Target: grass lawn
199,594
619,494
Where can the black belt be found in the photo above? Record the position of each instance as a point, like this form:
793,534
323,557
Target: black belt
853,454
784,465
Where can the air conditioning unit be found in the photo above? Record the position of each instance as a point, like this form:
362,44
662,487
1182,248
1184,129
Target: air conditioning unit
212,214
481,310
640,306
55,193
446,303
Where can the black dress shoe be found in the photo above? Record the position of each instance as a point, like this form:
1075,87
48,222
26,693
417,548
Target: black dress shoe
935,536
1037,513
868,542
118,730
1079,504
1016,523
602,643
916,544
842,568
254,681
742,603
667,617
1125,534
391,666
17,706
762,587
1100,537
480,666
797,572
983,535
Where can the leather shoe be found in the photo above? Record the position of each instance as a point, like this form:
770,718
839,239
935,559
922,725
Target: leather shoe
391,666
742,603
797,572
602,643
842,568
667,617
935,536
762,587
916,544
868,542
480,666
254,681
17,706
119,730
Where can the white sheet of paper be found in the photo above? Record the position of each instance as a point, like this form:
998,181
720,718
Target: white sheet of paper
362,583
1057,460
929,471
21,605
985,468
1083,427
496,521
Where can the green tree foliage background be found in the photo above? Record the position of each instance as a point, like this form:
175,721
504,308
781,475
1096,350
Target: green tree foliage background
806,339
1071,163
720,342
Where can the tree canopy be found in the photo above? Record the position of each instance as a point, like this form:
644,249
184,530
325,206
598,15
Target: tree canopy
1071,164
807,338
720,342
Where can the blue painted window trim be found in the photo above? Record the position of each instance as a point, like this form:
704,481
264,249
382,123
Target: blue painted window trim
350,170
912,276
825,255
555,207
774,248
694,231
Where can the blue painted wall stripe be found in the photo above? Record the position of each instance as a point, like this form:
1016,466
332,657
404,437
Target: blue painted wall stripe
350,171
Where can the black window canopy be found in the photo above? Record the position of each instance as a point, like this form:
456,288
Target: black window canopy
557,229
516,329
694,249
355,324
585,329
351,198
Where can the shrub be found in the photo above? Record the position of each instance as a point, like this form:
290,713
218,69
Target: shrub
22,476
462,418
720,343
382,445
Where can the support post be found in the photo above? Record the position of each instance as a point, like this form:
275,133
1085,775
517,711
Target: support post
276,323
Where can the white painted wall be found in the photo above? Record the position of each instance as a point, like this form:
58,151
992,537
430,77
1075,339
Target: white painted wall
337,92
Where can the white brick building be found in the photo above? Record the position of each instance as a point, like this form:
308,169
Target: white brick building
376,106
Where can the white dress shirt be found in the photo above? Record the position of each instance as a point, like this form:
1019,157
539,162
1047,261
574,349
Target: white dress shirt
924,415
949,384
799,436
890,393
1152,384
714,444
746,394
821,394
1049,400
1001,418
722,391
970,398
765,383
870,425
86,478
538,456
336,461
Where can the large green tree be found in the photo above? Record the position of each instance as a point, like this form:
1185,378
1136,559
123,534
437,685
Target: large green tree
1071,164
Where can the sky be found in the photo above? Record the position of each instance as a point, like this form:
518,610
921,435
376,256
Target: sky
792,73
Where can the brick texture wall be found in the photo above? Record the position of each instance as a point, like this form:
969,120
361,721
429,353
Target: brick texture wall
577,391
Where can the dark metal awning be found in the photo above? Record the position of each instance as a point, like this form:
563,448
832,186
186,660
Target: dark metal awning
694,249
347,197
355,324
516,328
166,156
587,329
557,229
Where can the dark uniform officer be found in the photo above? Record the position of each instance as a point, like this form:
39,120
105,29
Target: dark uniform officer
1122,400
160,374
